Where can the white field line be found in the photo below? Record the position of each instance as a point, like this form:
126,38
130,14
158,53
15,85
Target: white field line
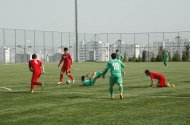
6,88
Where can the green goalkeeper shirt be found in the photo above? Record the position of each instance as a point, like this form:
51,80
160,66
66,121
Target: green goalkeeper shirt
165,56
119,57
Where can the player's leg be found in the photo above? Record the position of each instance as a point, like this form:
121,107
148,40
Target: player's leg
35,81
68,73
96,75
165,63
119,82
123,73
111,82
162,82
111,91
61,75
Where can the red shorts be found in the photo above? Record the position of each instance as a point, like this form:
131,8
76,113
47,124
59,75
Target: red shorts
35,76
162,82
66,69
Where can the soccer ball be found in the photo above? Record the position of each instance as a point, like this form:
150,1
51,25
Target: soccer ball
68,81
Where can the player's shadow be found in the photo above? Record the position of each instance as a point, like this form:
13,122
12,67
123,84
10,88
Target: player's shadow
186,81
14,92
135,87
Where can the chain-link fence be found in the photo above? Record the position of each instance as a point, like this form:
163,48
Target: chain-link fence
17,45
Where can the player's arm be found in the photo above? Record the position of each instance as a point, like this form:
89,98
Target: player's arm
60,61
151,82
105,70
122,64
87,74
42,68
122,57
70,59
30,67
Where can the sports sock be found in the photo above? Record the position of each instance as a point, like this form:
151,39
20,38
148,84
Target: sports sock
111,91
121,89
61,78
71,77
32,87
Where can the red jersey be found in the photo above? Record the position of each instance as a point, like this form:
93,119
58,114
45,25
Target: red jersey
67,60
35,64
155,75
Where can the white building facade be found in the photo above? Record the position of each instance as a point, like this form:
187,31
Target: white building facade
172,45
93,51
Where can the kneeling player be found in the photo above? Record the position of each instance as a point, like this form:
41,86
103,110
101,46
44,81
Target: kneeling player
91,80
161,79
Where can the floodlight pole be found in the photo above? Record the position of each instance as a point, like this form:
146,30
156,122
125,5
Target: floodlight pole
76,30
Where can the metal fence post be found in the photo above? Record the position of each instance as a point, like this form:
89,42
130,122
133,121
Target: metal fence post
44,46
61,40
53,45
4,46
120,36
24,46
107,38
69,38
134,45
34,41
15,47
148,48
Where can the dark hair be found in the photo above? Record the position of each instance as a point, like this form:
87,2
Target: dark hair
116,50
82,78
113,55
147,72
34,56
65,49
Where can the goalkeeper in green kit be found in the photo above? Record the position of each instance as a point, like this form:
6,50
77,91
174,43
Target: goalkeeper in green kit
115,67
165,58
120,57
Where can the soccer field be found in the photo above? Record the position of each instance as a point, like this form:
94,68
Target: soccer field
79,105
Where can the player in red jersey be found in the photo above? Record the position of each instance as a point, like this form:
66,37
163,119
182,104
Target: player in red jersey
37,68
67,63
161,79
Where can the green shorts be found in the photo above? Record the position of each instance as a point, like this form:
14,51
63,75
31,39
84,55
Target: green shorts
98,74
115,79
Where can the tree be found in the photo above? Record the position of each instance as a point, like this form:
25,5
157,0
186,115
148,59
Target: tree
185,54
144,54
169,56
139,59
159,57
176,56
133,58
125,57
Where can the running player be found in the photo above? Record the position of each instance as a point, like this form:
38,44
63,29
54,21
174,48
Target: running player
67,63
161,79
115,66
120,57
165,58
91,80
36,67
